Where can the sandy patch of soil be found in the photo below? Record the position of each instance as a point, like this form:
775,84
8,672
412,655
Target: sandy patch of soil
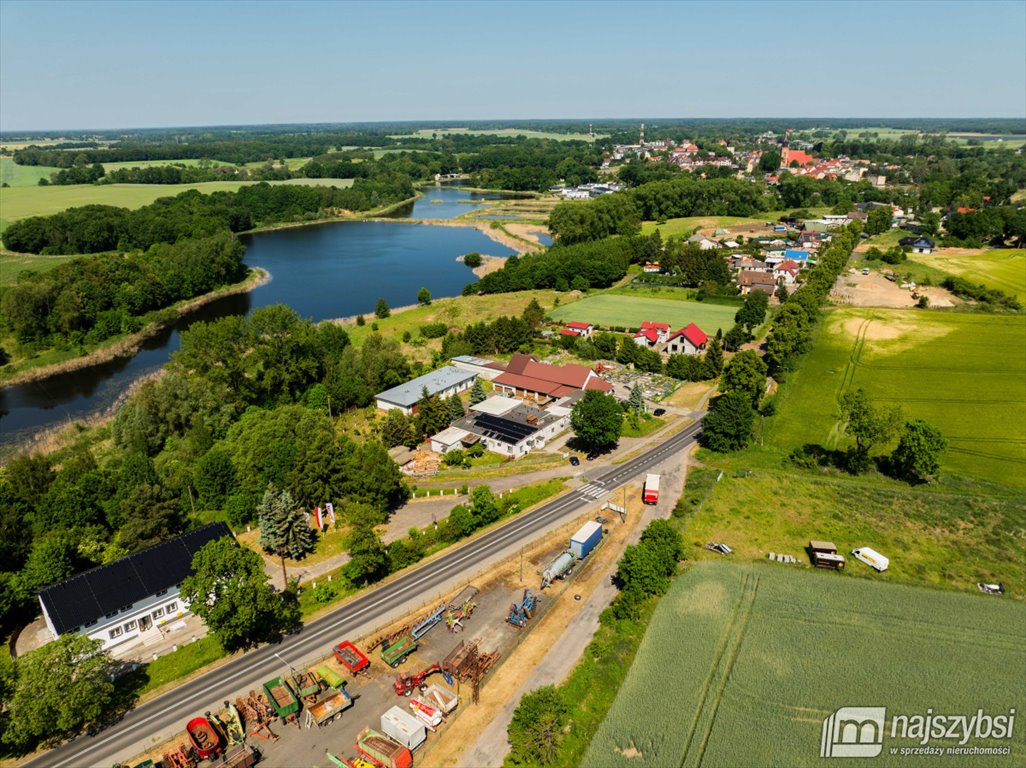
874,290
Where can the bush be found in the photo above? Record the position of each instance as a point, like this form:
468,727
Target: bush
433,330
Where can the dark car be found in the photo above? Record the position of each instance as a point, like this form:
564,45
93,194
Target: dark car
574,461
658,411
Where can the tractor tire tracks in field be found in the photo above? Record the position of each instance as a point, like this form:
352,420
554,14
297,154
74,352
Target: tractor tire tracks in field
719,676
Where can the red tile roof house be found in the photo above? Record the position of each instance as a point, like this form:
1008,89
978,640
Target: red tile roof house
749,281
689,340
662,330
526,378
787,270
578,329
647,338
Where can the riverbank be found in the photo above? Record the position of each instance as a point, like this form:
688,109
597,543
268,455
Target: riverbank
129,345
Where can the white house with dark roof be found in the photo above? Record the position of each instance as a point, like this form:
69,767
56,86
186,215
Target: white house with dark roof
129,599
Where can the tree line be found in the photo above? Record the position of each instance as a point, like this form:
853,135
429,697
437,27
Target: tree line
98,228
88,300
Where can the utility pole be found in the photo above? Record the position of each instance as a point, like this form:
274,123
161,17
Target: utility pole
521,562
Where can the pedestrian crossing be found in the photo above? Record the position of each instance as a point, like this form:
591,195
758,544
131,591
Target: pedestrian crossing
592,491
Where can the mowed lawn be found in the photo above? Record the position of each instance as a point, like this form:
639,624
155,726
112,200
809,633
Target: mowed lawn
630,312
1004,269
741,664
14,175
961,372
21,202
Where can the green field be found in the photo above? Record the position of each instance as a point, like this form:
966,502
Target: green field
948,534
12,265
21,202
1004,269
14,175
427,133
741,663
961,372
686,225
630,312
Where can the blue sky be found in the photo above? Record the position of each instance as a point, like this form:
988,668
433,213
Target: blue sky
141,64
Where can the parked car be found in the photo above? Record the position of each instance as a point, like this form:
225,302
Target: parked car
574,461
658,411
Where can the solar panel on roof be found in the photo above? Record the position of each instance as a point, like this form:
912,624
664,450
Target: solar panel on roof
506,430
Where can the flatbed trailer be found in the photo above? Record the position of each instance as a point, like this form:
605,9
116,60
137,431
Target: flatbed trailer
396,653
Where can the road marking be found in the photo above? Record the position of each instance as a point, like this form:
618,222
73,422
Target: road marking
386,593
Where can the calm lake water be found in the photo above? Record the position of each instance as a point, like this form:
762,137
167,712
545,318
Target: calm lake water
321,271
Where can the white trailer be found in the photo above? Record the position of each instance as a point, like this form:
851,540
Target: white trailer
872,558
403,727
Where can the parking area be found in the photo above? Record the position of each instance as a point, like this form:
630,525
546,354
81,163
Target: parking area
301,742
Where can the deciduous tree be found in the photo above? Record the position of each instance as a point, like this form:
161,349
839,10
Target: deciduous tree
917,457
745,373
59,689
229,590
728,425
597,420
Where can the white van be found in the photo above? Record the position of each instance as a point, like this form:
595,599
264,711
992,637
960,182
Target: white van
872,558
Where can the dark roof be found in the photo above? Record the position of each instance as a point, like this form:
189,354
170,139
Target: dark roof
108,588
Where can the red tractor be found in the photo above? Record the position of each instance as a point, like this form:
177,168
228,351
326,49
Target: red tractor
407,684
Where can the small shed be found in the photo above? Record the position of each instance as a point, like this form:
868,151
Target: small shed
824,555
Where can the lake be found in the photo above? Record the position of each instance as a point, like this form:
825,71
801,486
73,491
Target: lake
322,271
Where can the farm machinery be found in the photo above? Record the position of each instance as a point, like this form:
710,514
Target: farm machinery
256,714
395,652
428,623
352,658
406,684
519,613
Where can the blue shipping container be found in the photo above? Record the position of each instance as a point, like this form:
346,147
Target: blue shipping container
582,542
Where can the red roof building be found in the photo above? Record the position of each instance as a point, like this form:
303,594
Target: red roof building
689,340
647,338
788,156
527,378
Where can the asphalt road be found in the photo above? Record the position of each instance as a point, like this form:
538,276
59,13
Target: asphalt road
119,741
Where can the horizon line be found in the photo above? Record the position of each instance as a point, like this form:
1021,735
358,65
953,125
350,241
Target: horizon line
448,122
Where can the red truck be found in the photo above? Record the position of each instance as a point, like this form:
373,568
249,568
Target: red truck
651,494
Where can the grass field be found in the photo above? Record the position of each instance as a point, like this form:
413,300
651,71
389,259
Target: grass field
12,265
741,663
884,240
961,372
1004,269
950,534
630,311
21,202
15,175
427,133
685,226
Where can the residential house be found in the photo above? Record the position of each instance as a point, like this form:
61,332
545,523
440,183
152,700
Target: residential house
445,382
918,244
529,379
451,438
749,281
578,329
795,254
647,338
129,600
787,271
703,242
689,340
662,329
651,267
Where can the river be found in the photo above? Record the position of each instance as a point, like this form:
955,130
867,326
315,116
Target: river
322,271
